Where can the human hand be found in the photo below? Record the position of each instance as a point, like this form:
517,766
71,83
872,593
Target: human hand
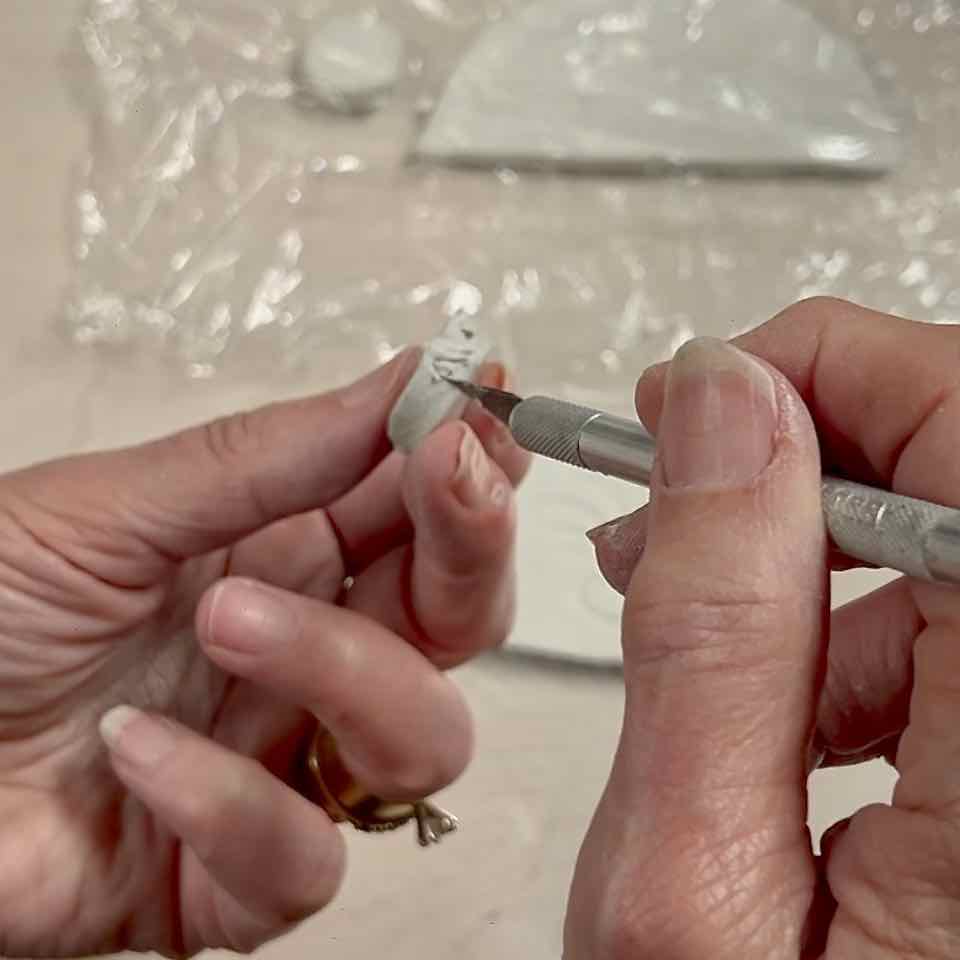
200,580
738,680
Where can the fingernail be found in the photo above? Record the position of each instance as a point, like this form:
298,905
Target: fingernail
611,533
135,737
597,534
247,617
720,417
493,375
655,370
498,437
474,482
382,381
619,545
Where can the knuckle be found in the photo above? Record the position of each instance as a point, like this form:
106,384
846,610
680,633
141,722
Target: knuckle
459,615
890,895
812,311
697,628
232,443
232,438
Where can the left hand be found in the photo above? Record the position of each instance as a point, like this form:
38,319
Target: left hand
201,581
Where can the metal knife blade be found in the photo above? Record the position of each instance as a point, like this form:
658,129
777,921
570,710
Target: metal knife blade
499,403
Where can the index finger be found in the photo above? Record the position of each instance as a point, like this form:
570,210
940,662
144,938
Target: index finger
882,391
210,486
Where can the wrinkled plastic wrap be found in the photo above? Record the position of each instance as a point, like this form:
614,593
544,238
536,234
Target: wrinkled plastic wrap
224,224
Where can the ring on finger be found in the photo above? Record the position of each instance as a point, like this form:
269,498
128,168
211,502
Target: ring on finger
332,787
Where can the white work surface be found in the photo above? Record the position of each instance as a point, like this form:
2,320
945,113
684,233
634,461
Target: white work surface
547,729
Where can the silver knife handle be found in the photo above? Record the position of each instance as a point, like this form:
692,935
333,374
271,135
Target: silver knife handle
873,526
917,538
584,438
551,428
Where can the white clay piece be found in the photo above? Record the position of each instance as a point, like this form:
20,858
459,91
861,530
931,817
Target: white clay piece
653,84
351,64
429,400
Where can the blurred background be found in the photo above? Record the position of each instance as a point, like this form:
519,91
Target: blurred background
186,233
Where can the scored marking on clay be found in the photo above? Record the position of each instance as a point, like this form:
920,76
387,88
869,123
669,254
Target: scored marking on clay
429,401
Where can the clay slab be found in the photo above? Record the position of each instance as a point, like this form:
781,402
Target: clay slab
732,84
429,400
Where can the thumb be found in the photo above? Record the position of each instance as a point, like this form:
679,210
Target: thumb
209,486
704,817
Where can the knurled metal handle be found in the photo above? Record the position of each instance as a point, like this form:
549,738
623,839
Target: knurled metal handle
915,537
551,428
873,526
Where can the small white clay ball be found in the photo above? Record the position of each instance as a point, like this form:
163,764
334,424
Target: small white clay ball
351,63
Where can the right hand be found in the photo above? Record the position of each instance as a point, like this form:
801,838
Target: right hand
699,848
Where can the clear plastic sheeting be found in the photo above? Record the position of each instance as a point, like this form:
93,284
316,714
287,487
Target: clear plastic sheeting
225,224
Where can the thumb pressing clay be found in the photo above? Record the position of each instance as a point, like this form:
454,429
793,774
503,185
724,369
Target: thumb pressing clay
351,63
428,400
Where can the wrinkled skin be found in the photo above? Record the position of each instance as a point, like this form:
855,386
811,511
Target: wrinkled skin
739,681
201,580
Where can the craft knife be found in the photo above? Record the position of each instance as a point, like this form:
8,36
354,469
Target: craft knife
874,527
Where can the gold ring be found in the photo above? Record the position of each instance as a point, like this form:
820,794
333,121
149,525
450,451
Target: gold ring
332,787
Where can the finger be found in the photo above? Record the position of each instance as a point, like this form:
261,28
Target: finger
365,524
452,594
301,554
402,726
889,418
314,552
240,824
290,555
893,872
865,703
885,417
373,519
512,459
822,912
723,646
619,545
210,486
824,906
